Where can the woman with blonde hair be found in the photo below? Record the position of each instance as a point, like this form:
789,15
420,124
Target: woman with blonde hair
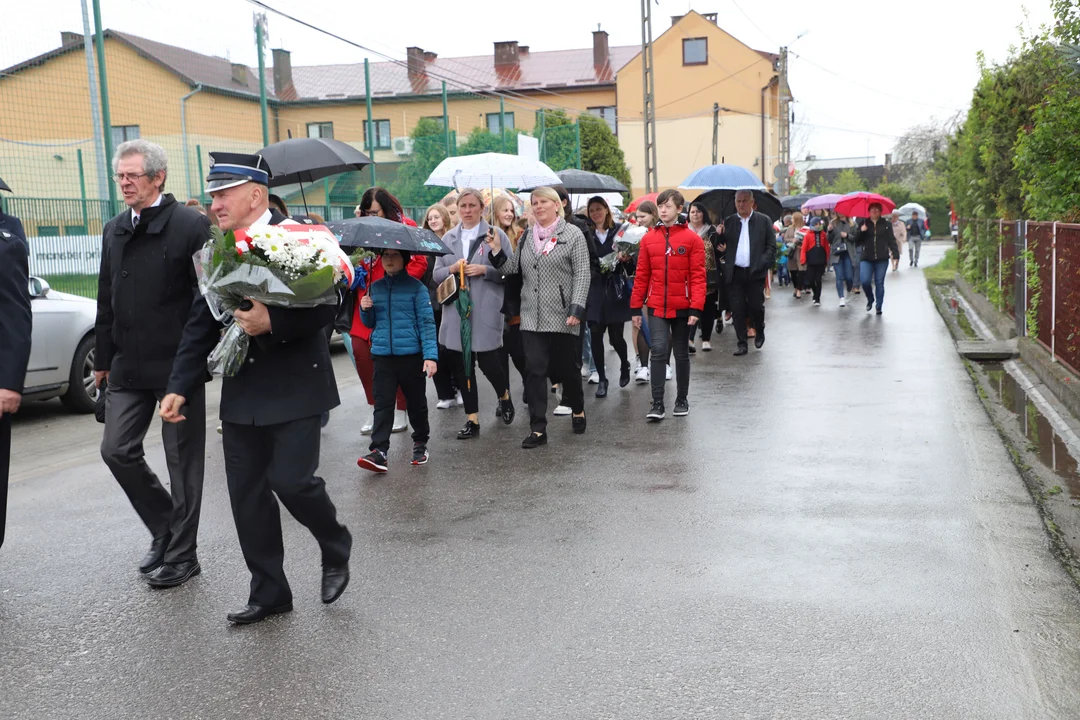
503,215
437,220
553,262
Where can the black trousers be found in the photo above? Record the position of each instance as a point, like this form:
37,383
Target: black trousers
616,333
512,349
797,279
708,318
444,378
747,298
490,362
405,372
259,462
557,355
814,274
173,512
669,335
5,464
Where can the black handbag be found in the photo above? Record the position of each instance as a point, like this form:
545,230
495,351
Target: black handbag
99,406
345,311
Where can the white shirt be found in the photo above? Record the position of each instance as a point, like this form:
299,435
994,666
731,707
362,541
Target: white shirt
467,236
742,253
135,215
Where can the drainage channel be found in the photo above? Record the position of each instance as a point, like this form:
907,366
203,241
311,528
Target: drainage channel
1046,441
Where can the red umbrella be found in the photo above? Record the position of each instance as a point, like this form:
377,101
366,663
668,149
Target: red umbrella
651,197
858,204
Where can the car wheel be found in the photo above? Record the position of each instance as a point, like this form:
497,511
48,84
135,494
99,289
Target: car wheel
81,392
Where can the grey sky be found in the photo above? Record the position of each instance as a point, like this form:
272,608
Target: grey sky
870,69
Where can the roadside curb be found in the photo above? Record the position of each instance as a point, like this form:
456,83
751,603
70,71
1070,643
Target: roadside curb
1059,513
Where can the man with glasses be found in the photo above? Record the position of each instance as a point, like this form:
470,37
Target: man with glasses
147,295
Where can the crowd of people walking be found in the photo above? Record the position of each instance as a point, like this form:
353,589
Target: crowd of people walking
549,289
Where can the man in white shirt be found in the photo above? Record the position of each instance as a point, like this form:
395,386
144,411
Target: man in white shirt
750,241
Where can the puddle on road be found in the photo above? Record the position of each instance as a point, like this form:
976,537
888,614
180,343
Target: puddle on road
1047,444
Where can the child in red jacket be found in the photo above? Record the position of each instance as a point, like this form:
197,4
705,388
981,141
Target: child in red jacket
670,281
815,255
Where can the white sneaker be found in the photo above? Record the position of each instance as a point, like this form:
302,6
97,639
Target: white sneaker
817,303
562,410
367,427
585,371
667,373
219,428
458,399
843,302
706,346
401,421
445,404
641,375
594,378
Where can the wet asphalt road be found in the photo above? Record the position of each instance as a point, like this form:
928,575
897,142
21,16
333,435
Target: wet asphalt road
834,532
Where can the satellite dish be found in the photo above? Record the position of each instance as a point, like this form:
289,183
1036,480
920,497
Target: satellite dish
779,171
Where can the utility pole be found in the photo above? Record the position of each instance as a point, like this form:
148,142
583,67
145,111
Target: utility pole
648,83
260,38
369,136
785,121
106,120
715,132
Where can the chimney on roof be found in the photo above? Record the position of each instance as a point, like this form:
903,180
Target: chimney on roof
415,62
239,74
600,55
283,81
430,57
507,54
70,38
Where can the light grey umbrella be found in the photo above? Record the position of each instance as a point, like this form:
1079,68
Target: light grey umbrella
906,210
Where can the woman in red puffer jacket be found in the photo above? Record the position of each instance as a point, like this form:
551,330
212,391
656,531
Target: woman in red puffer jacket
379,203
670,281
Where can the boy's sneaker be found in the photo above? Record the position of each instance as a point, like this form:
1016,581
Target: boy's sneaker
419,453
667,372
843,302
682,408
641,375
374,461
594,378
657,412
445,404
706,346
562,411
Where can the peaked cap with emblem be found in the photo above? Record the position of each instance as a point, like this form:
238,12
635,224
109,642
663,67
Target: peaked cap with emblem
231,169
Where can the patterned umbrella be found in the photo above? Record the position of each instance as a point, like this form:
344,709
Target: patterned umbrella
463,303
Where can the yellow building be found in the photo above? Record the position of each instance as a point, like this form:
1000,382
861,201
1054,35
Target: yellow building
192,104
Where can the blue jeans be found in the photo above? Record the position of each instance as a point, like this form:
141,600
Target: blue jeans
845,273
873,274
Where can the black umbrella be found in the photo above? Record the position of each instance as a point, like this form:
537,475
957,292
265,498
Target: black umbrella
795,202
721,203
4,186
305,160
379,233
582,182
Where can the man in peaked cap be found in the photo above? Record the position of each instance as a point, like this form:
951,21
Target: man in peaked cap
270,411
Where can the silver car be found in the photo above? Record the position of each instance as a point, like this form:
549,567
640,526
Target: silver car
61,348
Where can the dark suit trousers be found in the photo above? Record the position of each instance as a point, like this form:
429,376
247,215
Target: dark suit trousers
747,299
127,418
557,355
259,462
5,462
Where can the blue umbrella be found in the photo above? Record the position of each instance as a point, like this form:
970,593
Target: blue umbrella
722,177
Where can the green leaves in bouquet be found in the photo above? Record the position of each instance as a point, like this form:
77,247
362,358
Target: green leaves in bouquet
314,285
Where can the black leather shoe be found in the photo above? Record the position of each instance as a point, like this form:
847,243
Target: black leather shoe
155,556
255,613
579,425
741,350
624,375
760,339
469,431
506,410
534,441
173,574
601,389
334,582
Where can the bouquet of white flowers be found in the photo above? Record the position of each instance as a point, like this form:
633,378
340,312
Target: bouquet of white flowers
627,241
293,266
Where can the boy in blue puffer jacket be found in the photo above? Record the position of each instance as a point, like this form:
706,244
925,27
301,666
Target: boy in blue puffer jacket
404,347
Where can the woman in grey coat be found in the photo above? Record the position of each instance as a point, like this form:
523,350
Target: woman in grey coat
553,261
485,284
